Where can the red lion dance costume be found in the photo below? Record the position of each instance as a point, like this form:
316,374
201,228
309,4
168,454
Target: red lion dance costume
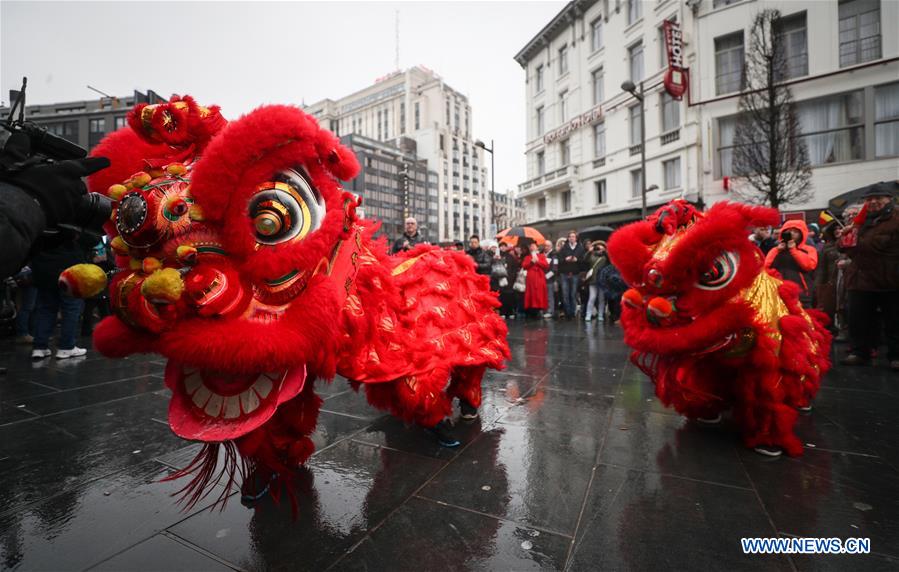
712,328
244,263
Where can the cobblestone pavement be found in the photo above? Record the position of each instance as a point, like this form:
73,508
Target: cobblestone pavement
572,464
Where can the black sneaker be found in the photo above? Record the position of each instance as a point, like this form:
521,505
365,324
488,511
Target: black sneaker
855,359
444,437
769,450
469,411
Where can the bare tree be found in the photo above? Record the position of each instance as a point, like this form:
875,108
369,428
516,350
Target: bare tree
770,160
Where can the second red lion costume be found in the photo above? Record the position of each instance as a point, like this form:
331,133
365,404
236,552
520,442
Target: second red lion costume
244,263
711,328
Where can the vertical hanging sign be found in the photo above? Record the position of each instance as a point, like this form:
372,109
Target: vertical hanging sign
675,77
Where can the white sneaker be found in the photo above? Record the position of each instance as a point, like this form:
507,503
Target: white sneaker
600,319
587,319
65,354
40,354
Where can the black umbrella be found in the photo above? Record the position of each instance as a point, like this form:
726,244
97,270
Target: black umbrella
837,204
596,233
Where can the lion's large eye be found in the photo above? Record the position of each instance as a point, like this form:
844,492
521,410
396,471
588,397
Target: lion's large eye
286,208
720,273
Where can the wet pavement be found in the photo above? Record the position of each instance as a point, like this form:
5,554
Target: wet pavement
573,465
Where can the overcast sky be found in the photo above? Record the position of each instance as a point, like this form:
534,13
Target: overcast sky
241,54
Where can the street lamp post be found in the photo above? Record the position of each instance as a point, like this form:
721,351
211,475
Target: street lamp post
480,144
629,87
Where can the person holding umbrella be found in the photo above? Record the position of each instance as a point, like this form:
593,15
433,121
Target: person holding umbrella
535,263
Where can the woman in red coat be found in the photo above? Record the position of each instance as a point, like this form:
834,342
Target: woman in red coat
535,292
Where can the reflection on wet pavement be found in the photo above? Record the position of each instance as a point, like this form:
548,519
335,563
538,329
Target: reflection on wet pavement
573,464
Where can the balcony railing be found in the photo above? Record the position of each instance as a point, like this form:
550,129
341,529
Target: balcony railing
635,149
670,137
549,179
600,162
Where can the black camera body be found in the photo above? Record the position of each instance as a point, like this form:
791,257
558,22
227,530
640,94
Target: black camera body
93,209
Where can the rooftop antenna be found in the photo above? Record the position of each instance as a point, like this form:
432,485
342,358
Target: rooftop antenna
396,61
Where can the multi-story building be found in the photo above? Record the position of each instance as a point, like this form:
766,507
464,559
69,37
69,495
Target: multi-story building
86,122
394,183
583,132
418,104
509,210
843,71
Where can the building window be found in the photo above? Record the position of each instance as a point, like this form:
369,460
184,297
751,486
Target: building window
671,170
447,112
635,58
403,119
121,122
541,163
563,106
634,11
68,130
720,3
564,152
96,130
599,140
833,128
598,92
636,183
859,31
600,188
539,78
886,120
417,115
596,34
793,39
563,60
726,130
540,123
541,207
670,113
729,63
379,126
565,197
635,126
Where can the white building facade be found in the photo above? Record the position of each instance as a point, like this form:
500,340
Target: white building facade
583,131
843,65
418,104
583,163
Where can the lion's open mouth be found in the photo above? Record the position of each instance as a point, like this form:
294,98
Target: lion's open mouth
211,405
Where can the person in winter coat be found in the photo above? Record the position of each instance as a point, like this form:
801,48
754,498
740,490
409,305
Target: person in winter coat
794,259
613,287
507,295
872,278
551,278
480,256
571,258
827,276
535,263
46,267
597,259
411,237
763,239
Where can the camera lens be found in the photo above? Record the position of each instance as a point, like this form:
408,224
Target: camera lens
93,211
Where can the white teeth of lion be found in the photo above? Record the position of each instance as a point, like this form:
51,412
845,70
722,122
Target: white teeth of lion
201,396
214,406
249,401
192,382
263,386
232,407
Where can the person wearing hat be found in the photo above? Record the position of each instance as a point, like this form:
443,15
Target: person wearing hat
596,261
873,277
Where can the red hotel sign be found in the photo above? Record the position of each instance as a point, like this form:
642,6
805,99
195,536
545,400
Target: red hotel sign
675,77
576,123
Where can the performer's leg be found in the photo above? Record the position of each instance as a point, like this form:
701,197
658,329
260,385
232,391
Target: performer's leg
465,383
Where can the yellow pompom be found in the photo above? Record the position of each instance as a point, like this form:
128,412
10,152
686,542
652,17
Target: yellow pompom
156,173
150,265
135,264
186,254
82,280
175,169
116,192
140,179
196,213
118,246
163,286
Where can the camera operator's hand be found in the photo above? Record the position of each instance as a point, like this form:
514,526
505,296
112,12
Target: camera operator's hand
58,186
